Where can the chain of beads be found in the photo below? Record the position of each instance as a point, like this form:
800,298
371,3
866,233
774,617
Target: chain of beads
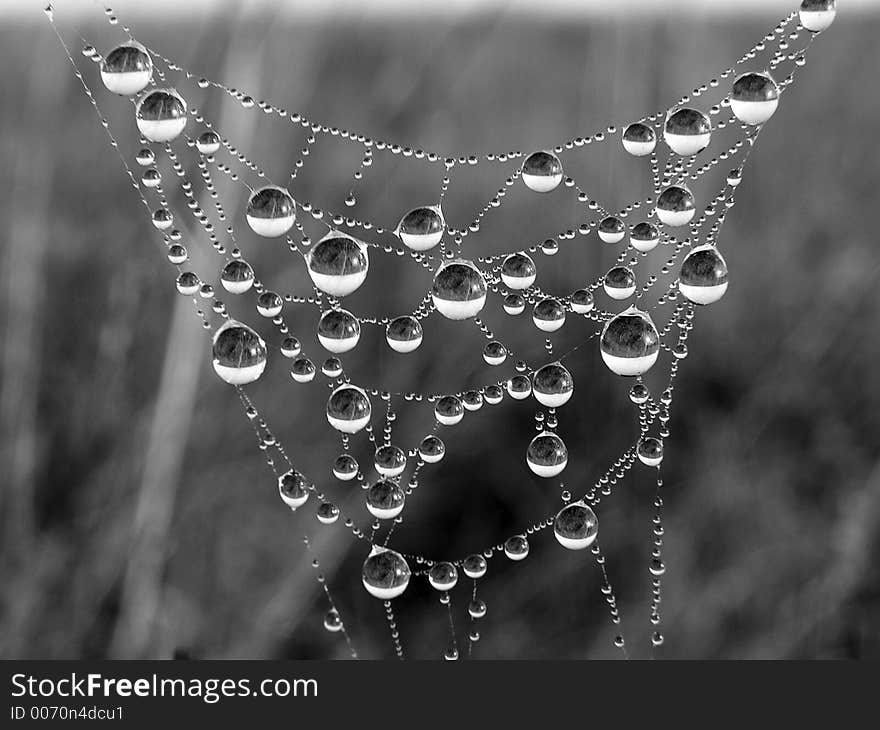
392,627
334,610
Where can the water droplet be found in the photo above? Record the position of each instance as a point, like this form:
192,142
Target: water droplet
348,409
443,576
145,157
188,283
290,347
294,489
630,343
459,290
404,334
550,247
239,353
494,353
657,567
754,98
475,566
676,206
639,139
514,304
552,385
237,276
271,211
127,69
576,526
582,301
817,15
687,131
302,370
431,449
547,455
385,573
338,330
269,304
516,547
332,621
390,461
422,228
177,254
619,283
338,264
548,314
611,229
644,237
208,142
542,171
161,115
518,271
449,410
345,467
650,451
327,513
385,500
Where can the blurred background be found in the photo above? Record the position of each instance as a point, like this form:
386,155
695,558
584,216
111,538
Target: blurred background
139,518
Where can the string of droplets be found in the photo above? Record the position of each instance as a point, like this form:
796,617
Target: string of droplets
620,467
368,142
332,620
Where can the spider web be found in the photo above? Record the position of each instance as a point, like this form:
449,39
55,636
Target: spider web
194,177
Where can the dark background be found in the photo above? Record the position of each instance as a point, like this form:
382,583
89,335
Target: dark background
138,516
